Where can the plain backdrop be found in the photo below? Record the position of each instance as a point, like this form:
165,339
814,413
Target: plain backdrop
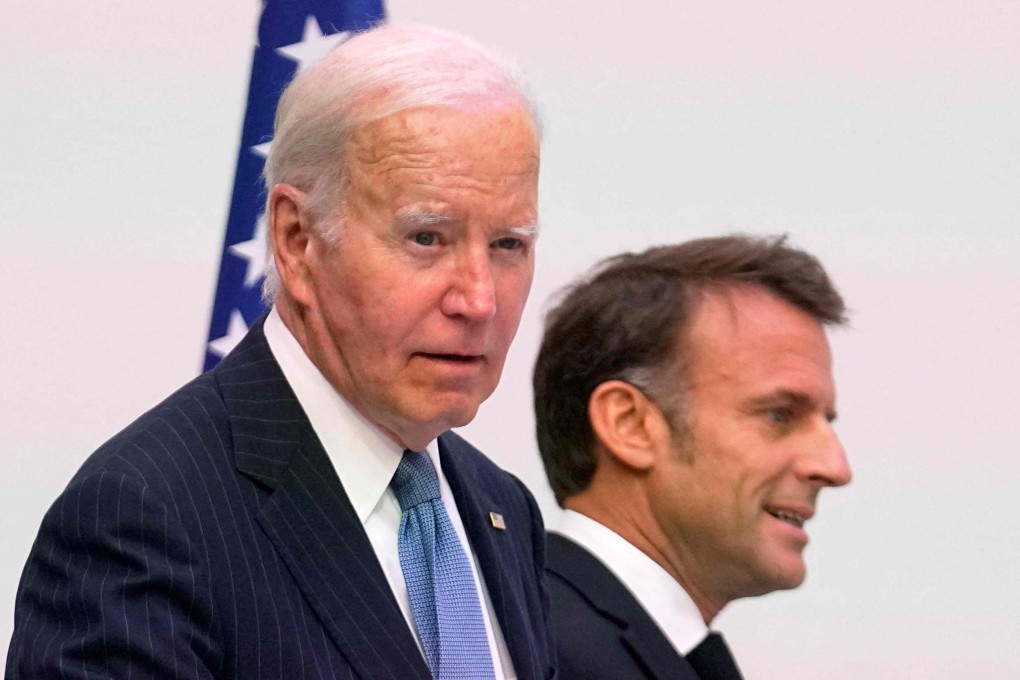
882,135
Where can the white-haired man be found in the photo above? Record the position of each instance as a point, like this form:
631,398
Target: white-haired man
302,509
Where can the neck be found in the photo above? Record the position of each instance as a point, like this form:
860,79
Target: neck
625,516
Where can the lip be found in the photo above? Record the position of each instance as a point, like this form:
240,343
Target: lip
793,516
453,365
465,358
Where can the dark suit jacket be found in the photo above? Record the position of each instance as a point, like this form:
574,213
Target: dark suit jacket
601,630
213,539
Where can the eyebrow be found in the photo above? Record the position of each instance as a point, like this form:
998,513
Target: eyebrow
529,231
798,399
417,217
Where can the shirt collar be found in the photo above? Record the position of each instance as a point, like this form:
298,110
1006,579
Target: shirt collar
658,593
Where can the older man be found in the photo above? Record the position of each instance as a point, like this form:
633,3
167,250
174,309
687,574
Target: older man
302,510
685,401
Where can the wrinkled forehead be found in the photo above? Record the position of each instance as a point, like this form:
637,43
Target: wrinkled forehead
385,104
488,143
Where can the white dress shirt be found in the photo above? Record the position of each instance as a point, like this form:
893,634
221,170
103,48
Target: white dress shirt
658,593
365,460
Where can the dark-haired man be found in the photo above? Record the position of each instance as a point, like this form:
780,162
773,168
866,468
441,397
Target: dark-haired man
685,401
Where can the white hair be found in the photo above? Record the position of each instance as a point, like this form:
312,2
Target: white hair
374,74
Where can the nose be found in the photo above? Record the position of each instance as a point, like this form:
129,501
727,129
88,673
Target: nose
825,463
472,291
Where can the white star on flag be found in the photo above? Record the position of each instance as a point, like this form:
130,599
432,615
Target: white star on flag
261,150
255,252
313,45
221,346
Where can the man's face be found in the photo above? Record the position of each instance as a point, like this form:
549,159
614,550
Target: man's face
759,447
412,313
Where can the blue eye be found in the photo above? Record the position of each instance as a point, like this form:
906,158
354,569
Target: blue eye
507,243
425,238
778,415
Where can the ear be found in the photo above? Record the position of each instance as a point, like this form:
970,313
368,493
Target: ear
290,230
630,427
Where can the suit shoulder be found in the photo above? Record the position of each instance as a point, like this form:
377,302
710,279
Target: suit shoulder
195,419
573,561
576,577
181,432
588,643
582,586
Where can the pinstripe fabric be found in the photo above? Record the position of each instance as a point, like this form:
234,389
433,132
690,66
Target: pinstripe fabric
212,539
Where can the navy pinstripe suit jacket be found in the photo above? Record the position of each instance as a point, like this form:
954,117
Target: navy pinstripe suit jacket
212,539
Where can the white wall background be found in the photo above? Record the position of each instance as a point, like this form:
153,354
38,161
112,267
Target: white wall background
882,135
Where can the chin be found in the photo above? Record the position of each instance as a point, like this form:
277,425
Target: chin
781,570
790,576
460,417
433,411
456,408
441,417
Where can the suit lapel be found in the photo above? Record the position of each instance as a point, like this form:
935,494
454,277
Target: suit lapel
498,561
609,597
309,518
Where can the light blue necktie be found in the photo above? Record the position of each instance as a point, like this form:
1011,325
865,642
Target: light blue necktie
439,581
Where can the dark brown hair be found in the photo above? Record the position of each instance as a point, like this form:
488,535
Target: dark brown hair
625,319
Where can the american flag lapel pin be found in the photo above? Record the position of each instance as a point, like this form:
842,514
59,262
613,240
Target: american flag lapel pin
497,521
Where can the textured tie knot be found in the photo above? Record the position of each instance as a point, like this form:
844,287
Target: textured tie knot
415,480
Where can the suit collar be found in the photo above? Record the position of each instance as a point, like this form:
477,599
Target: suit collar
657,592
309,518
361,453
266,420
604,593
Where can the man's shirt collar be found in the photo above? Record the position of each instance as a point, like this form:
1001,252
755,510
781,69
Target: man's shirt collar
658,593
361,454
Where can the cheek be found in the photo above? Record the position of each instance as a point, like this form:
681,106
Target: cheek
750,467
730,492
512,295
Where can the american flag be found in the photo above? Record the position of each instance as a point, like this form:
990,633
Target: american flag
292,35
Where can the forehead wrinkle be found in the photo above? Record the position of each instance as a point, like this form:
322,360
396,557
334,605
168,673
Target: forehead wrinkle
396,147
422,170
384,159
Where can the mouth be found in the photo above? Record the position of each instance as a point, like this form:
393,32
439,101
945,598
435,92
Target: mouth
788,516
465,359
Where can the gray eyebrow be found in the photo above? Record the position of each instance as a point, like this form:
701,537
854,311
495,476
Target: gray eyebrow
529,231
417,216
